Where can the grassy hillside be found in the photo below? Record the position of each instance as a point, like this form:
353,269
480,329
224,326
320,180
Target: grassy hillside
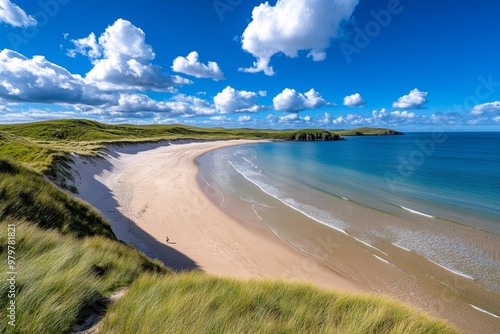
59,276
368,132
86,130
26,195
68,259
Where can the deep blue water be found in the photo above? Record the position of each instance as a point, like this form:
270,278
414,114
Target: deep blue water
454,176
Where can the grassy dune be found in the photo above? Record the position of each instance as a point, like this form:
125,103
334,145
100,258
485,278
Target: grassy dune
59,276
198,303
67,258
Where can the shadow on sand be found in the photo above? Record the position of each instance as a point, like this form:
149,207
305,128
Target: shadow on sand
102,198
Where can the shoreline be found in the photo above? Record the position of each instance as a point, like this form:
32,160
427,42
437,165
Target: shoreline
376,262
149,191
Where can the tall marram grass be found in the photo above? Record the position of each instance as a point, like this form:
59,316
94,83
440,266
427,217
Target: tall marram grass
58,276
25,194
198,303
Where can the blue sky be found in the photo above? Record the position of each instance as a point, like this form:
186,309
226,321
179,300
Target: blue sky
410,65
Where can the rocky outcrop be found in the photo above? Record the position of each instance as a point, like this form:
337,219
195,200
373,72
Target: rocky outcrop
316,135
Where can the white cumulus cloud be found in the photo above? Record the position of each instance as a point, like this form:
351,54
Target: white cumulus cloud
190,65
14,15
122,60
354,100
244,118
414,100
86,46
491,108
291,101
291,26
37,80
395,117
294,119
179,105
230,100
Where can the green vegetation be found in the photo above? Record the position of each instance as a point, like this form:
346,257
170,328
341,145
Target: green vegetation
26,195
60,276
368,132
67,257
198,303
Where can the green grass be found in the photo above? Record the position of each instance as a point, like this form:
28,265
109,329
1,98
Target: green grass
368,132
59,276
26,195
198,303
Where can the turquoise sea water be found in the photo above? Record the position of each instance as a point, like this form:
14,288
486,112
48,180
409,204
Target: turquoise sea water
454,176
429,180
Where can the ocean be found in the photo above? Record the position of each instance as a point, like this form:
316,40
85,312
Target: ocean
454,176
432,196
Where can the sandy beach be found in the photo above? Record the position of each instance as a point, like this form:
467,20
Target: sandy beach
149,191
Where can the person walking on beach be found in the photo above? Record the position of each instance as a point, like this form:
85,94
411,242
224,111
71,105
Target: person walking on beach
167,239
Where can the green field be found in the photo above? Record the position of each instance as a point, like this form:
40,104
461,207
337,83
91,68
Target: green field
68,259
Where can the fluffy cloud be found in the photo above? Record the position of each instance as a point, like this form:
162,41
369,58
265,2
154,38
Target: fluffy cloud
32,114
490,108
180,105
122,60
395,117
14,15
291,26
352,119
230,100
354,100
414,100
291,101
191,66
294,119
244,118
86,46
38,80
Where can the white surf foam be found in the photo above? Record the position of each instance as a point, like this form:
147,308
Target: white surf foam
484,311
417,212
454,271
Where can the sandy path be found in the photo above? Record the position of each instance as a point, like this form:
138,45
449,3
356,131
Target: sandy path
149,191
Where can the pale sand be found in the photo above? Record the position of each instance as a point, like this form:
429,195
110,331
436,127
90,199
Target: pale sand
150,191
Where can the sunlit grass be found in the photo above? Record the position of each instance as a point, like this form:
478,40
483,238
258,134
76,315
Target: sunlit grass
59,275
198,303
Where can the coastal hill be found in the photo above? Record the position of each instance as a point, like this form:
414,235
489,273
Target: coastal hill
87,130
74,274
